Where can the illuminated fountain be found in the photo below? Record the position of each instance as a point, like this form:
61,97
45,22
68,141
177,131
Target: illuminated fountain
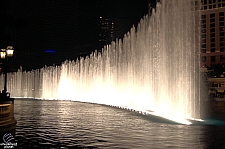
153,69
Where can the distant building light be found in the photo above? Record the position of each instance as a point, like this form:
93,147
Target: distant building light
50,51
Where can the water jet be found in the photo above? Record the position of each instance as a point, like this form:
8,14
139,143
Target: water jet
155,67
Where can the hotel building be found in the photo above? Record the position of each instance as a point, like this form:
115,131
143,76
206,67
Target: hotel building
106,31
212,33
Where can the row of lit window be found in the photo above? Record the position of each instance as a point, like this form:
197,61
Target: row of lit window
212,58
205,2
104,22
102,40
212,25
222,44
212,15
213,35
213,6
213,20
212,30
222,39
213,40
222,49
105,28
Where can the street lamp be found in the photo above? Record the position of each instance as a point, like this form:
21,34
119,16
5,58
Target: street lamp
3,53
6,54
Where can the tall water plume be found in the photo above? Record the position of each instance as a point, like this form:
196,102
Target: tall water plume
155,67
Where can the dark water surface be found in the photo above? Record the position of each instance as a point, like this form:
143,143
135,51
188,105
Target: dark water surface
67,124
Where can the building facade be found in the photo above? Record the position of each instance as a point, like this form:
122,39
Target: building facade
106,31
212,33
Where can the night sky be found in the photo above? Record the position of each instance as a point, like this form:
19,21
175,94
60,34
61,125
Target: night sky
68,27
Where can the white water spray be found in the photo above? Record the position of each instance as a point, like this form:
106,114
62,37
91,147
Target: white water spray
155,67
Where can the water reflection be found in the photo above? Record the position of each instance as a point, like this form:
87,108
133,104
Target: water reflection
73,124
213,136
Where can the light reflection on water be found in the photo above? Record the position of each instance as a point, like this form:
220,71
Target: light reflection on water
54,124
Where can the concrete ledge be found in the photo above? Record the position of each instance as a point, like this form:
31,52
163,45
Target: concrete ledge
8,125
7,120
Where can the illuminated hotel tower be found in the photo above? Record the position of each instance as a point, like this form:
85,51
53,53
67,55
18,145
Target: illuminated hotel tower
212,33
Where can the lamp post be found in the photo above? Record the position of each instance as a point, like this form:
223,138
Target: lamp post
6,54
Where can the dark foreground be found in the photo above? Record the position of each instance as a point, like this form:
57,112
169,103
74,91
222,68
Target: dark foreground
66,124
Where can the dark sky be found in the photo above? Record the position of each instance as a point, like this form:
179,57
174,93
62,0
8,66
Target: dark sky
132,10
67,26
